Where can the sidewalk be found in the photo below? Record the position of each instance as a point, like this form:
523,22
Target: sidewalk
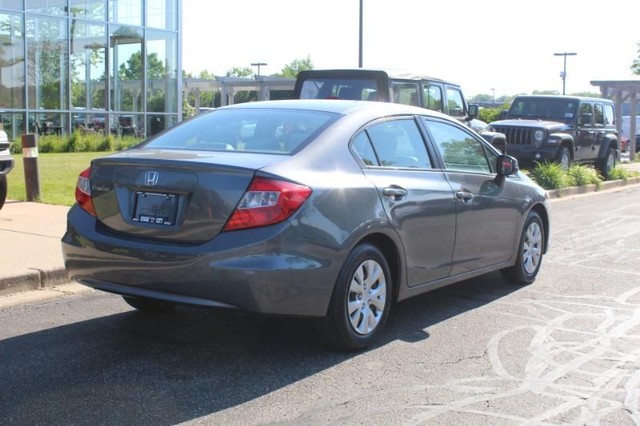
30,247
30,236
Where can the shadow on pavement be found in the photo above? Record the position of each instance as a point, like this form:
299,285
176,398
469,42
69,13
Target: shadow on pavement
133,368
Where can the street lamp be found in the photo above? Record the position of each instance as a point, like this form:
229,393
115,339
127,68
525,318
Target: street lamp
258,64
360,37
563,74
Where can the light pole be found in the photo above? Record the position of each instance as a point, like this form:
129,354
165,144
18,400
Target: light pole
360,37
258,64
493,91
563,74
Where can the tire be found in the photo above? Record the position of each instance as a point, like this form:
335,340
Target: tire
530,252
564,157
3,190
606,165
361,300
149,305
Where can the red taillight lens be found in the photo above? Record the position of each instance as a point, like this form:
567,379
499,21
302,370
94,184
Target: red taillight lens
266,202
83,192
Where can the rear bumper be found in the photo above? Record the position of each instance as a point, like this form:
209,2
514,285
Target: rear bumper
269,270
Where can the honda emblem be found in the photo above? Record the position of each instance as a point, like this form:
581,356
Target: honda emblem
151,178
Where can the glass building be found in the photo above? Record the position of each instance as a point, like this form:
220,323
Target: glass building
100,65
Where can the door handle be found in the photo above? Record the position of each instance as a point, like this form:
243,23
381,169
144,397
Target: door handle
465,197
394,192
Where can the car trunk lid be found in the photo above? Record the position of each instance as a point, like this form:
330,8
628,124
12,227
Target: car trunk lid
170,195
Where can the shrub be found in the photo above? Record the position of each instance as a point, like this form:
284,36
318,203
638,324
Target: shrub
619,173
578,175
549,175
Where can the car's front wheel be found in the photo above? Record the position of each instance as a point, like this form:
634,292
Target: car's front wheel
148,305
530,251
361,300
3,190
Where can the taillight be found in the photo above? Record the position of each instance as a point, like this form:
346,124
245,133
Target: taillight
267,202
83,192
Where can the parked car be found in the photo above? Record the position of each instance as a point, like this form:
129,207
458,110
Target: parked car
325,209
626,133
394,86
563,129
6,164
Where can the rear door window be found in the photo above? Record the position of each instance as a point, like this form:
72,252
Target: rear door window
393,143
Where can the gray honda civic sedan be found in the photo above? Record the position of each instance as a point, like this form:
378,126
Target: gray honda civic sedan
309,208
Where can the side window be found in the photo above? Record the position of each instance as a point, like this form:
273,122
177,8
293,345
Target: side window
432,96
609,115
405,93
362,147
455,102
586,115
459,150
394,143
598,115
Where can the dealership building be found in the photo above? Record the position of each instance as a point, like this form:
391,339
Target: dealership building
99,65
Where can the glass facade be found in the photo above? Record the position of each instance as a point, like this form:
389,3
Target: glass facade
99,65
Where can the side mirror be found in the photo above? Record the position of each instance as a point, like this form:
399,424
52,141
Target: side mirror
506,165
473,111
503,114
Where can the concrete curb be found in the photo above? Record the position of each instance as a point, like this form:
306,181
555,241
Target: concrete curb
34,279
586,189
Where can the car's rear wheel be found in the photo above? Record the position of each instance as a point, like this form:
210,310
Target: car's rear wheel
361,300
564,158
530,251
607,164
3,190
148,305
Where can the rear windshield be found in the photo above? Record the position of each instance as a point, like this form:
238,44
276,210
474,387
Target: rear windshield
339,88
275,131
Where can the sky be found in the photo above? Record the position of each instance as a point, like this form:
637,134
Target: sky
501,47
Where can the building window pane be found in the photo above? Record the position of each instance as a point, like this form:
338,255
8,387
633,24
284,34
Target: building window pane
11,4
128,72
125,12
88,9
48,62
162,14
48,7
11,61
162,85
88,65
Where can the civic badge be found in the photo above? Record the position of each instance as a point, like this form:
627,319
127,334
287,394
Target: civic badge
151,178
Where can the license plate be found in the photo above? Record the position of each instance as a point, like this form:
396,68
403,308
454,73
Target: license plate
156,208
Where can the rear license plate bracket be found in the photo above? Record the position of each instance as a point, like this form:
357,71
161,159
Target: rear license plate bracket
155,208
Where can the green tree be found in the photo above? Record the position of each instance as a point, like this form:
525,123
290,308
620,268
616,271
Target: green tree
292,69
240,72
132,69
635,65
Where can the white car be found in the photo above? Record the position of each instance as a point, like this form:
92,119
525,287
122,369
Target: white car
6,164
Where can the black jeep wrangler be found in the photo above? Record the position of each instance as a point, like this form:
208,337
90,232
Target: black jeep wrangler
563,129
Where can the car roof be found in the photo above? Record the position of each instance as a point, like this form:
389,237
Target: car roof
578,98
340,106
391,73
